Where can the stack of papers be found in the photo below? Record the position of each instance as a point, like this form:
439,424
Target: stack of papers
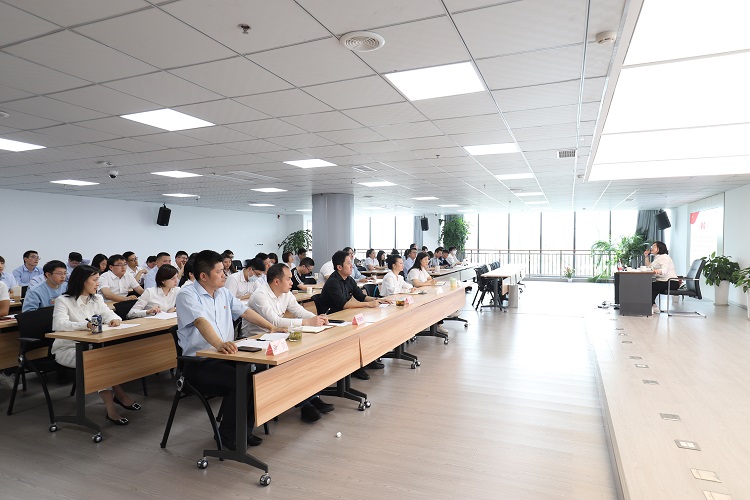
121,327
274,336
165,315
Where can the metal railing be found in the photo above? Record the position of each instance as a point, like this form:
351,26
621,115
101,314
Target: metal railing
545,262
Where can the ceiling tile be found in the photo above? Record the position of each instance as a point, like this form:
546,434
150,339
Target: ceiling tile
479,138
409,130
105,100
284,103
312,63
19,25
256,146
369,91
300,141
8,93
164,89
171,140
353,135
137,34
130,145
478,103
218,134
491,122
53,110
119,126
212,150
76,133
535,68
73,12
341,16
232,77
222,112
388,114
25,122
263,129
34,78
320,122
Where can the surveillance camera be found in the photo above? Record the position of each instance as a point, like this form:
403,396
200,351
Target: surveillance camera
113,174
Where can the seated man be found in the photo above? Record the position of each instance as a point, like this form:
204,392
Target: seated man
245,282
4,301
266,260
45,293
328,268
74,259
115,284
205,312
272,301
29,270
302,275
436,262
410,258
149,281
301,254
341,292
133,268
180,259
451,258
7,278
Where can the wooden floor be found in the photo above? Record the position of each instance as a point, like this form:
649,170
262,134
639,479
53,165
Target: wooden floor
508,410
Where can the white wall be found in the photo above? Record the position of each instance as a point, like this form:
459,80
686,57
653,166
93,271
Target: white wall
737,234
678,237
55,225
430,237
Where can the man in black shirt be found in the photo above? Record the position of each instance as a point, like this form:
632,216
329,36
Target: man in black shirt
341,292
302,275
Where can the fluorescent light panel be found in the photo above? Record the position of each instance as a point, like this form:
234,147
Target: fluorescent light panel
425,198
269,190
312,163
492,149
261,205
449,206
438,81
510,177
168,119
530,193
376,184
304,210
696,167
17,146
177,174
181,195
72,182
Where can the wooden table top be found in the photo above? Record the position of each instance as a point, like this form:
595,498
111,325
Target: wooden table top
145,325
505,271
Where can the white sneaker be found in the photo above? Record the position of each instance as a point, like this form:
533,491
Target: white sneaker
655,309
441,329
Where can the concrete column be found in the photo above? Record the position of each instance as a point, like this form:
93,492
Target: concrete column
332,225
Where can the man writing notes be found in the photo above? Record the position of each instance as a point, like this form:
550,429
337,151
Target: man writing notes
273,301
45,293
341,292
205,312
116,284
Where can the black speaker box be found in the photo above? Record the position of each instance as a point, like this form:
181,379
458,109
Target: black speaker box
425,223
662,221
163,218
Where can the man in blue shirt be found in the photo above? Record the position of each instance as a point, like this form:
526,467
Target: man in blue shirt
45,293
74,260
7,278
205,315
149,281
30,268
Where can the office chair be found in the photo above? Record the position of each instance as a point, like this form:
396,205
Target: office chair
32,328
122,309
692,288
371,289
237,264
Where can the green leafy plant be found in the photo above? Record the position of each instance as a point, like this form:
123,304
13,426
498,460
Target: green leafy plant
719,268
607,253
454,234
569,272
296,240
741,278
630,248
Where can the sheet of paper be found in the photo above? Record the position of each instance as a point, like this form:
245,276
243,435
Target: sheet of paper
345,323
122,326
263,344
440,283
314,329
274,336
165,315
10,316
384,305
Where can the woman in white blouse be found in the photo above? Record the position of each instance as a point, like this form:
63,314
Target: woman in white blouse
418,275
72,312
160,298
393,282
371,262
663,266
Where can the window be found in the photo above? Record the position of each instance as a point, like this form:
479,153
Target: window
383,232
493,231
361,232
623,223
404,232
524,230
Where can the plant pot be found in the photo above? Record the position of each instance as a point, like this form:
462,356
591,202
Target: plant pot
721,297
570,280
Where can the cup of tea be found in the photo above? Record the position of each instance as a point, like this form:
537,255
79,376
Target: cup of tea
295,334
400,302
454,283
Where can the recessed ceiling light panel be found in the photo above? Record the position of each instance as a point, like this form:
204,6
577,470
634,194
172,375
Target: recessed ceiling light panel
449,206
168,119
376,184
17,146
511,177
72,182
492,149
424,198
177,174
181,195
313,163
530,193
269,190
438,81
261,205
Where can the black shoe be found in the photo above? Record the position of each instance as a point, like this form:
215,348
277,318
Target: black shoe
121,421
134,407
310,413
321,405
361,374
254,440
376,365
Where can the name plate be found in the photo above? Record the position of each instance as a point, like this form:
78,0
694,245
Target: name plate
359,319
277,347
439,290
408,300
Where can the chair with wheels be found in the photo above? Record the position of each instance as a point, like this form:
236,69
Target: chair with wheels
32,328
692,289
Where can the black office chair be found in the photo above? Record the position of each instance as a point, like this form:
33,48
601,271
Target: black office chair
692,288
122,309
32,328
484,286
237,264
24,289
371,289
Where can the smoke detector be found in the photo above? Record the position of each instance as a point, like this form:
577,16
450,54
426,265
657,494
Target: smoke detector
606,37
362,41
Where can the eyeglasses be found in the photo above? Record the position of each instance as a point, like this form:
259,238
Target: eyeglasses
119,265
60,273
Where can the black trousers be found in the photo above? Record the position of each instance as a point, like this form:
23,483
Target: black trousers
658,288
218,378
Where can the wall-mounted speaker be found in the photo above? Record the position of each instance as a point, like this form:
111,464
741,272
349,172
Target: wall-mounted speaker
425,223
163,218
662,221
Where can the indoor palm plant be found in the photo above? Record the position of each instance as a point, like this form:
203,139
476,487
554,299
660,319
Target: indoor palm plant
455,233
719,272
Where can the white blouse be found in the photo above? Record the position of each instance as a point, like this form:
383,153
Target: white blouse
419,274
393,284
371,262
154,297
664,267
71,315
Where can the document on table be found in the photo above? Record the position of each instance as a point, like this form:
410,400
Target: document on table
165,315
122,326
274,336
440,283
10,316
312,329
345,323
263,344
384,305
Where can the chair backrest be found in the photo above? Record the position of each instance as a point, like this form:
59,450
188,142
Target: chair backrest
316,300
494,266
694,285
237,264
480,271
123,308
371,289
24,289
35,324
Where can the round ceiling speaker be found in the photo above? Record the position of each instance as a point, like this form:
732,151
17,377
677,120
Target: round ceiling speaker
362,41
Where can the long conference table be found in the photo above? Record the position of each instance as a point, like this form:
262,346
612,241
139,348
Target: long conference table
513,273
317,362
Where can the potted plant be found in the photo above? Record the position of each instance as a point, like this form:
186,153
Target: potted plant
454,233
296,240
719,272
569,273
742,279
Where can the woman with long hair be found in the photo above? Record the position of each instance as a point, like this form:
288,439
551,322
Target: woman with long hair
418,275
162,297
99,262
72,312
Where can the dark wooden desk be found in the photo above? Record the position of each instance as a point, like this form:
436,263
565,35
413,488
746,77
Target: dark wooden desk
633,292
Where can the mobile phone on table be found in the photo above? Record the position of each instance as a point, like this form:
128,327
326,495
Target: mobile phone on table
336,321
246,348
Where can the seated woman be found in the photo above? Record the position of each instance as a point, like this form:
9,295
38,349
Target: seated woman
288,259
418,275
371,263
72,312
226,261
274,258
162,297
99,262
381,259
188,278
393,282
663,267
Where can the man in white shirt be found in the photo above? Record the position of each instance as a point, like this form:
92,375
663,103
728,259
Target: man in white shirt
272,301
301,254
115,284
245,282
451,257
133,268
180,259
161,258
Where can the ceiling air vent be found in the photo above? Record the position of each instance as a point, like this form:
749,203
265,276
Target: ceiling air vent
566,153
362,41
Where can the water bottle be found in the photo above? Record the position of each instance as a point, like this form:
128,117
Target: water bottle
96,323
